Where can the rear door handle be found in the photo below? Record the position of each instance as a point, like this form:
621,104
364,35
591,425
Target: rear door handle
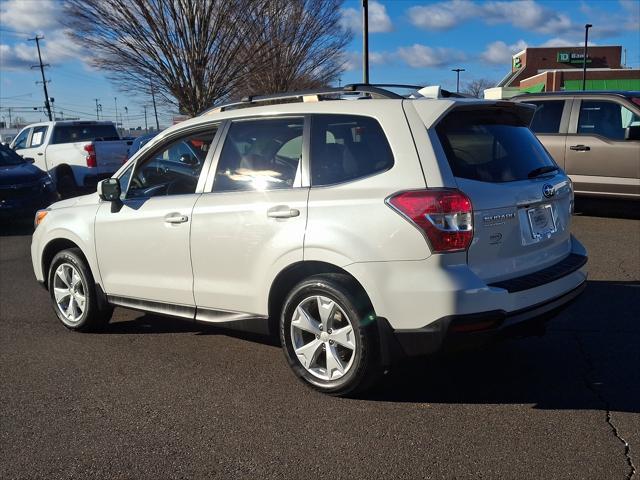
175,218
580,148
282,211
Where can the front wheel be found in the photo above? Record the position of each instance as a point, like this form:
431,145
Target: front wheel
328,335
73,293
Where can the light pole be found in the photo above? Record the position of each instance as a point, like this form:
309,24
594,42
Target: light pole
584,56
126,113
458,70
365,41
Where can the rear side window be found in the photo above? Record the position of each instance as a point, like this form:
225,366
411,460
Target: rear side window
607,119
490,145
347,147
83,133
547,117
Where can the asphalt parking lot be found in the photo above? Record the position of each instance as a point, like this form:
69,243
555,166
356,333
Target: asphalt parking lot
159,398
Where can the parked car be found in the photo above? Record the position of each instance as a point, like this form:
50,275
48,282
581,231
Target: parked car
140,142
359,231
6,138
594,137
24,188
75,154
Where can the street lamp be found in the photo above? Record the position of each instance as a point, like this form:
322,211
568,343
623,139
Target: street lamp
458,70
584,56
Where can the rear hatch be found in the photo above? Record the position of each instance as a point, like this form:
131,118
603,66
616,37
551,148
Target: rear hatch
521,200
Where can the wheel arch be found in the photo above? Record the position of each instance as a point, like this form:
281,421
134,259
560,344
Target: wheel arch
295,273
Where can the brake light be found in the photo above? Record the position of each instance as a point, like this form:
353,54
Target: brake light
444,215
91,155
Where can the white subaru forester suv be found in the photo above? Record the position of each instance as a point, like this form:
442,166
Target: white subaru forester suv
360,224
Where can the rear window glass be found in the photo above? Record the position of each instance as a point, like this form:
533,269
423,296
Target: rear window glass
346,148
490,146
547,117
83,133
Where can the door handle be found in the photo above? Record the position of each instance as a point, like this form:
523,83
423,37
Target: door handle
282,211
40,153
580,148
175,218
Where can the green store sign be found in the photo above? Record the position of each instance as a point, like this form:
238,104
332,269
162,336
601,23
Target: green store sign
567,57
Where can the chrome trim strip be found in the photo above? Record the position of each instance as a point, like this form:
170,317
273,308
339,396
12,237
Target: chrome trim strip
184,311
210,315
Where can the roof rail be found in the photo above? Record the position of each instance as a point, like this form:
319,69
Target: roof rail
381,90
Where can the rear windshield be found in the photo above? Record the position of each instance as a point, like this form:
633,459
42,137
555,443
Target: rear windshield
490,145
83,133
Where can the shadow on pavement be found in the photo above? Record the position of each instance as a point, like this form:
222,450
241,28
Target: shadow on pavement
604,207
588,359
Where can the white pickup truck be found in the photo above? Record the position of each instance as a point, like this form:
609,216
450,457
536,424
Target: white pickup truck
76,154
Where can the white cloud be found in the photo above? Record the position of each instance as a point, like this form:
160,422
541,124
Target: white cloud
421,56
564,42
353,60
501,53
444,15
379,20
30,16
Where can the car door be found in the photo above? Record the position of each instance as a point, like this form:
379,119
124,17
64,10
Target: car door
142,244
35,147
598,158
250,221
550,123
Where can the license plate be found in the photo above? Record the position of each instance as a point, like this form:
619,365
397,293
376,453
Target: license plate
541,222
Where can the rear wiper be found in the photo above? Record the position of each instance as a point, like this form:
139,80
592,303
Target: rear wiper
536,172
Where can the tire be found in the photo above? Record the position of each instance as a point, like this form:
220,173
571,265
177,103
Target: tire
70,280
329,361
66,185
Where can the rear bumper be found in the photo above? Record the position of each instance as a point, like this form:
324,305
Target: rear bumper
470,330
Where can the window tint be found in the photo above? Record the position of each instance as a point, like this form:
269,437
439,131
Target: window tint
37,137
174,169
260,155
21,140
83,133
608,119
490,146
547,117
347,147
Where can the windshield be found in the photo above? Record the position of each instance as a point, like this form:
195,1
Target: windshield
491,145
9,157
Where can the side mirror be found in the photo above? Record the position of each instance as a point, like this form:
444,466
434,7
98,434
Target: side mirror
632,132
109,189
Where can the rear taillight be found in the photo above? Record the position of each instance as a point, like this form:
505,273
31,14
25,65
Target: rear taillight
91,155
444,215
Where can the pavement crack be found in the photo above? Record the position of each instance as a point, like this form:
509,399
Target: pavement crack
591,386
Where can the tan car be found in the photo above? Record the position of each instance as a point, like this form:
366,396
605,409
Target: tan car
594,137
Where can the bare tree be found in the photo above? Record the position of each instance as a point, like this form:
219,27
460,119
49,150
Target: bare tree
193,52
477,87
307,42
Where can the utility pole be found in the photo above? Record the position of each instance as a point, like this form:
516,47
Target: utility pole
9,109
146,126
584,59
365,41
458,70
44,82
97,109
126,113
115,99
155,110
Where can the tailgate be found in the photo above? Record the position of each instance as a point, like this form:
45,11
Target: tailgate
110,155
521,200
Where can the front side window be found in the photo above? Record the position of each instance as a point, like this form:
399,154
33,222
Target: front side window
547,117
260,155
37,137
608,119
173,169
21,139
346,148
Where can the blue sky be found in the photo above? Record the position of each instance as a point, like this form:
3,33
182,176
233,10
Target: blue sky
410,42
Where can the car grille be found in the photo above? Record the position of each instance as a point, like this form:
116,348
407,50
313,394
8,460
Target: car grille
11,192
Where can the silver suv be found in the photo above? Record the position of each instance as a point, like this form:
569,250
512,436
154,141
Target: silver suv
359,224
594,137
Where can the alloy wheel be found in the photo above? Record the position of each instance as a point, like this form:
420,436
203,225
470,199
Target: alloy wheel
70,293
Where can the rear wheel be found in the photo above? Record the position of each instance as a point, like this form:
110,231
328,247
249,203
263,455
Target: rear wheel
73,293
328,335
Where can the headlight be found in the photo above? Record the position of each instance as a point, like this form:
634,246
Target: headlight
40,214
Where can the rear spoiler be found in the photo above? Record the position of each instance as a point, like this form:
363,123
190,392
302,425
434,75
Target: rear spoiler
524,111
